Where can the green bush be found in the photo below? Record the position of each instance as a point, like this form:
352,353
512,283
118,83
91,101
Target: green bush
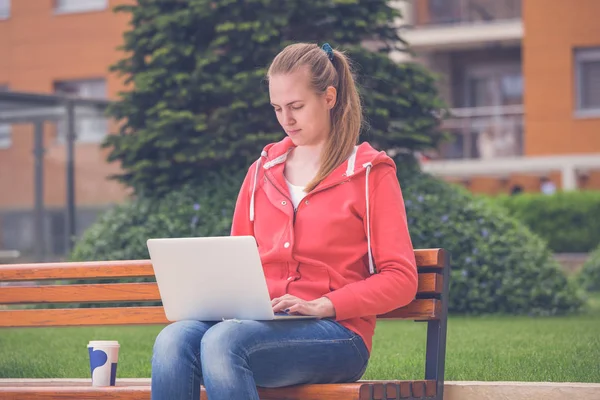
121,232
568,221
589,276
499,266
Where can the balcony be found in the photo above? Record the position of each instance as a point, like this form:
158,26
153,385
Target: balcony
463,23
489,143
484,133
453,12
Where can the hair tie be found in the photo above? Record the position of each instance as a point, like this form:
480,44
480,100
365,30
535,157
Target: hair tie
328,50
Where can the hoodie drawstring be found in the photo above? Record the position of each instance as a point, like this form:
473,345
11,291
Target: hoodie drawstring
262,154
350,172
368,166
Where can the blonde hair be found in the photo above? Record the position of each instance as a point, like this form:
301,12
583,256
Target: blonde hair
346,115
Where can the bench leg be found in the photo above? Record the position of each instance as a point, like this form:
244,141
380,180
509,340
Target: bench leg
436,339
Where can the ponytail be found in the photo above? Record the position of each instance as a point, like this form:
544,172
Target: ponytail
346,121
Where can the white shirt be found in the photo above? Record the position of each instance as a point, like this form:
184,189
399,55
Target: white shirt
297,193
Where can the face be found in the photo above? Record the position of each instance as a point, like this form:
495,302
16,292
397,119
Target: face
302,113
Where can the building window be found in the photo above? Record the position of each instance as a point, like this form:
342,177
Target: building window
4,9
71,6
88,129
587,80
5,129
494,85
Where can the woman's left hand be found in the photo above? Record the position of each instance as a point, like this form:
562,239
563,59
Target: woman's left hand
321,307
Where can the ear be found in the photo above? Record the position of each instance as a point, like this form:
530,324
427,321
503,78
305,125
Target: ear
330,97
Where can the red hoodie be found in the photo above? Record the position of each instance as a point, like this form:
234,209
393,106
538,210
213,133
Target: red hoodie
322,248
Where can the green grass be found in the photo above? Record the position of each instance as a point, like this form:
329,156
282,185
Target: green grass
562,349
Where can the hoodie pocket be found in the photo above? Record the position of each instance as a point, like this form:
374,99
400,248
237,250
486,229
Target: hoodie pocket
314,281
274,271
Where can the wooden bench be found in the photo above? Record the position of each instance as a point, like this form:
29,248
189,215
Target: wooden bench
430,305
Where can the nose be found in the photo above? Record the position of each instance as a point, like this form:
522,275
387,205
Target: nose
288,118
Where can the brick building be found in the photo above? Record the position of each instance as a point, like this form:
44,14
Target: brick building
522,78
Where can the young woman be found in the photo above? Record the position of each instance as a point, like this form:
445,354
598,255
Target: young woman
329,220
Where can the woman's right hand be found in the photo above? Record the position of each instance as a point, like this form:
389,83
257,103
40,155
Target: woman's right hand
321,307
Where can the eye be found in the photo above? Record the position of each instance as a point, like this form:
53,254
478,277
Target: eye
297,107
277,109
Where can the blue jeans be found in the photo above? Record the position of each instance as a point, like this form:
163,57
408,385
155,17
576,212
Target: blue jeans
233,357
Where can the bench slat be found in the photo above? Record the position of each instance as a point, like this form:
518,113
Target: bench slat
430,388
83,316
426,258
361,390
431,258
418,310
348,391
429,283
113,292
77,270
383,390
418,389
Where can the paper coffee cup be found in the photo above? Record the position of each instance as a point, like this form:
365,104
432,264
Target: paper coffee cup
104,355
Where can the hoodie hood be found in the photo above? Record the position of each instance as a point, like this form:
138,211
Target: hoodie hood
364,155
363,158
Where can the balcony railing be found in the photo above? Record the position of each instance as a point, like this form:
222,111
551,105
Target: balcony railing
484,133
448,12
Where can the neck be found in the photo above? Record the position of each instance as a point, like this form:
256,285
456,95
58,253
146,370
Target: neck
309,154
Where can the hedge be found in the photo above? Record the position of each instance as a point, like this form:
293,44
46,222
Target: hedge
499,265
589,275
567,221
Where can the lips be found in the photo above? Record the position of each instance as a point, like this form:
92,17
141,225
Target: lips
293,132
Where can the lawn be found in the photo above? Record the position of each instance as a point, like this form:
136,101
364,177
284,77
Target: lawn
479,348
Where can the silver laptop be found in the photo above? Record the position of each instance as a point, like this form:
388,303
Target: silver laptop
212,279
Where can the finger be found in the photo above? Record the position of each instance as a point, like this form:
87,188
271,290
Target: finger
285,296
282,298
276,301
285,304
300,308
